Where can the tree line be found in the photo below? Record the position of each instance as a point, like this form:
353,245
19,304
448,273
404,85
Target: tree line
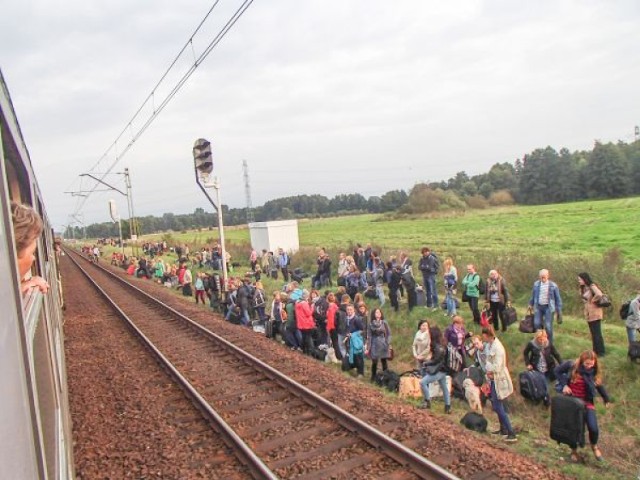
542,176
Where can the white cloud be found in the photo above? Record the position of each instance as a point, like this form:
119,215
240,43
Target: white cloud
318,96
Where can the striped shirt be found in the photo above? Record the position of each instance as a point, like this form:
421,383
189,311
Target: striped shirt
543,294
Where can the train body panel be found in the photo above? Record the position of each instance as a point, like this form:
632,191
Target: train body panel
35,442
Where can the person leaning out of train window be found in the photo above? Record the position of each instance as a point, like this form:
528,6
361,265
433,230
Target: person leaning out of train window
541,355
591,294
27,227
582,379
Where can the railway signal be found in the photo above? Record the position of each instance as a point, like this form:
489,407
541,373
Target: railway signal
203,167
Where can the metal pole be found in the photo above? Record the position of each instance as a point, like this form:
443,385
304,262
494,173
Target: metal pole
133,215
216,185
121,241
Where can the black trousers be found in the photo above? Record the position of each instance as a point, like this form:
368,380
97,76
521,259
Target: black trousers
412,298
597,339
374,366
393,297
335,342
473,305
497,310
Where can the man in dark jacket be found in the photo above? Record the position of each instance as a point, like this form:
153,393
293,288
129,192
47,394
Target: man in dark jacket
429,268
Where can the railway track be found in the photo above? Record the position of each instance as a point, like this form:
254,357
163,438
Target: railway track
278,427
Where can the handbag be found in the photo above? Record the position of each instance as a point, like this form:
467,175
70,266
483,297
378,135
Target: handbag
510,315
604,301
465,297
527,324
391,353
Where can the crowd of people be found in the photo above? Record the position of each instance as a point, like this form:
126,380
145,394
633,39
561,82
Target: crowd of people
333,319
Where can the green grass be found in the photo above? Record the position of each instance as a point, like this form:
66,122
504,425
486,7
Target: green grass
598,236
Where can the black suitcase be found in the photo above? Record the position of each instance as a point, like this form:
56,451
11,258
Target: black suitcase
533,385
474,421
421,297
268,328
567,420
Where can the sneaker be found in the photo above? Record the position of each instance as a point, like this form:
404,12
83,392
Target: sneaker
499,432
447,409
511,438
435,309
426,404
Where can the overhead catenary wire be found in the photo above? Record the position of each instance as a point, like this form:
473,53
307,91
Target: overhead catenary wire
172,93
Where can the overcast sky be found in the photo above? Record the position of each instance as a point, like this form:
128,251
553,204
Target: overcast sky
319,96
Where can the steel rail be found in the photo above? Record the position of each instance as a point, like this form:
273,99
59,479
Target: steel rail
255,465
406,457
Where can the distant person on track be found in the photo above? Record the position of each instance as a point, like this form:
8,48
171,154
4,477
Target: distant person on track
591,294
253,259
545,301
583,379
27,227
187,278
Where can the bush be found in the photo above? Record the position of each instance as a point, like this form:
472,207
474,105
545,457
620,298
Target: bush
501,197
477,201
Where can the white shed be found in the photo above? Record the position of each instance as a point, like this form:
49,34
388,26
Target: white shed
271,236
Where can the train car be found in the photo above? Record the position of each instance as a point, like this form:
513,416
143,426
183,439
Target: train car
35,441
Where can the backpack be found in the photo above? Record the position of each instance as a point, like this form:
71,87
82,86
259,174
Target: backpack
474,421
258,299
453,361
320,309
436,263
482,288
388,379
625,309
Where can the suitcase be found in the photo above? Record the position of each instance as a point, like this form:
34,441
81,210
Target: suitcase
410,387
567,420
421,297
268,328
510,315
533,385
474,421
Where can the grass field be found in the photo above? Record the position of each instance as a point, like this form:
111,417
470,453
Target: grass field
599,237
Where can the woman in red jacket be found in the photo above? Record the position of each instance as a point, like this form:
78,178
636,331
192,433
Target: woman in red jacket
305,322
331,323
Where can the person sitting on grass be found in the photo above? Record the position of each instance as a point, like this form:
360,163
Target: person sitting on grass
435,370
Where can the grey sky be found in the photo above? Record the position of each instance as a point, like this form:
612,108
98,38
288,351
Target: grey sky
318,96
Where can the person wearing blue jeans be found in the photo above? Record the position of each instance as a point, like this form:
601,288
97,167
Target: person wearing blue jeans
633,319
499,381
545,301
429,268
434,370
